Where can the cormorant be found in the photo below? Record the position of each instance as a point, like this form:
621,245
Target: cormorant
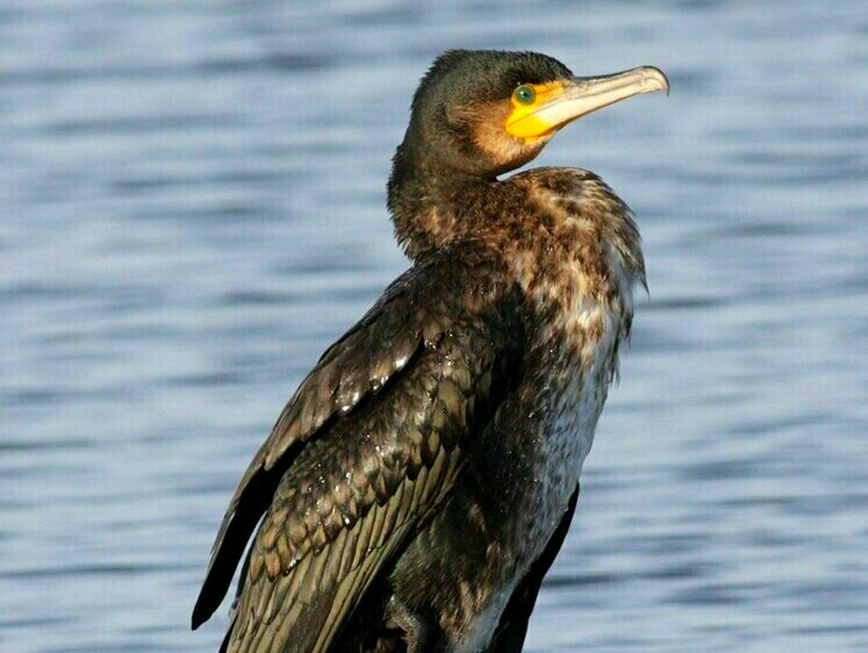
421,480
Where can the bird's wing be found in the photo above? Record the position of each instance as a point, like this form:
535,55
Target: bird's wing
345,504
369,442
512,629
356,367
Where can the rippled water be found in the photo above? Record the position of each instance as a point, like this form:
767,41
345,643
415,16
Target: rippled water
192,209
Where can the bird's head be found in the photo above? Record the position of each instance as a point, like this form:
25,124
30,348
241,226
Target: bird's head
482,113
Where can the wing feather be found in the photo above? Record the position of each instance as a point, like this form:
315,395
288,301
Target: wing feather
383,342
366,449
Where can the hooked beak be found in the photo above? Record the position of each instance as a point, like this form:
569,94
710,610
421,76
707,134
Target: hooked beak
583,95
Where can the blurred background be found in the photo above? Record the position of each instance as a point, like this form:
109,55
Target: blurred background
192,209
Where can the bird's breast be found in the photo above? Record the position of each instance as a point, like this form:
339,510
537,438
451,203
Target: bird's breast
583,304
559,404
581,367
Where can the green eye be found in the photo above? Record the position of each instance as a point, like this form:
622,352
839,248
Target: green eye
524,94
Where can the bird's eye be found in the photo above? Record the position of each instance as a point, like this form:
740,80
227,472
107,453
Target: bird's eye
524,94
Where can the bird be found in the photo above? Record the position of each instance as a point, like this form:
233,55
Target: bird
419,483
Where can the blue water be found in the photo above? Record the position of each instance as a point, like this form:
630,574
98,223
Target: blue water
192,198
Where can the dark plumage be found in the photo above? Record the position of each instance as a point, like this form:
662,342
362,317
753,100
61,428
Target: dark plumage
420,482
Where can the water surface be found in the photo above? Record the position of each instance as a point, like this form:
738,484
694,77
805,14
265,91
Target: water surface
192,204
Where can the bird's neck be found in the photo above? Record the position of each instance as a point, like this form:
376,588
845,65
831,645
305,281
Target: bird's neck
434,206
563,233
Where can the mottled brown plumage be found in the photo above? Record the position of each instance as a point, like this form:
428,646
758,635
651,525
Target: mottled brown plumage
419,483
